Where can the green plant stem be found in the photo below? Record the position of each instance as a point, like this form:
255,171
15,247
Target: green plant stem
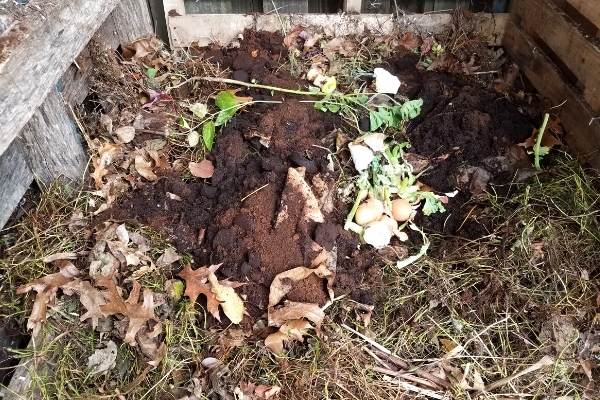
362,194
538,142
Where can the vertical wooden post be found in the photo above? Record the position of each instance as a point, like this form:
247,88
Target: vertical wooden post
15,179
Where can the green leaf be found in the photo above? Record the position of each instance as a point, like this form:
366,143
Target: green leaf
224,116
334,108
208,134
543,151
183,123
382,116
432,203
199,110
151,73
227,99
411,109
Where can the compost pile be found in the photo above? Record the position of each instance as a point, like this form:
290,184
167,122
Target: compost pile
221,198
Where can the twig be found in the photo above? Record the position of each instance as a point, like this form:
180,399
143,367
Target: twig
425,392
544,362
406,376
253,192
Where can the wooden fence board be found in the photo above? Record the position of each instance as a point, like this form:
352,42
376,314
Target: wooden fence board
52,143
590,9
15,179
34,63
583,133
580,55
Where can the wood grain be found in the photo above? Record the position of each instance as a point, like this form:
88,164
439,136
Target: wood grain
590,9
544,19
582,132
15,179
34,63
52,143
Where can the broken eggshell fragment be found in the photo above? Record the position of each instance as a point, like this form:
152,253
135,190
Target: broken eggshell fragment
361,156
375,141
385,82
378,233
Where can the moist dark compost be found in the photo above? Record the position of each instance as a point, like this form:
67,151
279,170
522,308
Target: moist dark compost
464,130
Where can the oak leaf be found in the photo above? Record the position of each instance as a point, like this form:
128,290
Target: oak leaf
138,314
204,281
46,288
90,297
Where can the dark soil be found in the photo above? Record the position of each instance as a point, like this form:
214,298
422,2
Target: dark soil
223,221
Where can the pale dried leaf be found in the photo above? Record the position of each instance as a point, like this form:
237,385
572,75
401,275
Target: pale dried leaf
144,168
230,301
284,281
103,359
125,133
122,234
90,297
290,331
168,257
203,169
293,310
59,256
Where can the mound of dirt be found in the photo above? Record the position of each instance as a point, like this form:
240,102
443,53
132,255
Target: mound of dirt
231,218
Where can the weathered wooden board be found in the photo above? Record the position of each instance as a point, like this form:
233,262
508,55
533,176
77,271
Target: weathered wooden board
47,47
15,181
52,144
590,9
223,28
582,131
544,19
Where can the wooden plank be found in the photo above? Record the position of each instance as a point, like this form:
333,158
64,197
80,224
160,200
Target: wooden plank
582,131
223,28
15,179
590,9
130,20
34,64
52,143
580,55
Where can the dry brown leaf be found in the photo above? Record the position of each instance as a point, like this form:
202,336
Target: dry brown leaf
290,331
284,281
137,313
292,310
59,256
410,40
106,155
548,140
90,297
150,344
203,281
140,48
144,168
46,288
203,169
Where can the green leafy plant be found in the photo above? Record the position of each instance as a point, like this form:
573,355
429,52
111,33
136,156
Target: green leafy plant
389,176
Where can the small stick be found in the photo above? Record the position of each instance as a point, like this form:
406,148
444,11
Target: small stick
253,192
407,376
544,362
425,392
